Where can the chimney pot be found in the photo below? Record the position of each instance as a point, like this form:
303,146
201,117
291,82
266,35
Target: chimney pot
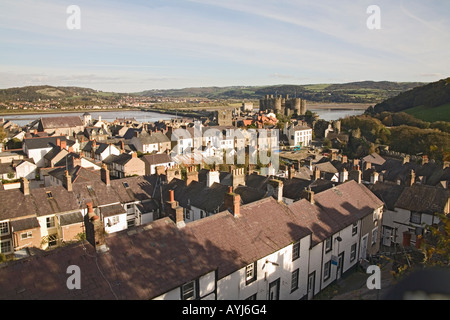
171,196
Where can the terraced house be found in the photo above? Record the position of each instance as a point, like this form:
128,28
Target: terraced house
260,250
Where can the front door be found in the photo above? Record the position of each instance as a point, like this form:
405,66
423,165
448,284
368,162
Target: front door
311,281
340,265
387,234
274,290
364,246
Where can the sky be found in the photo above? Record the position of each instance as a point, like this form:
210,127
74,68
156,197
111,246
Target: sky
131,46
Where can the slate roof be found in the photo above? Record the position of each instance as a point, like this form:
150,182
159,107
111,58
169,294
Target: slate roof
153,138
147,261
157,158
374,158
112,210
139,265
232,243
387,192
78,174
70,218
61,122
25,224
45,142
425,199
336,208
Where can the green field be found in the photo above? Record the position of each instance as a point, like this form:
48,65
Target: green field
440,113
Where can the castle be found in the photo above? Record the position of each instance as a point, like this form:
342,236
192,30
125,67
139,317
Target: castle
286,106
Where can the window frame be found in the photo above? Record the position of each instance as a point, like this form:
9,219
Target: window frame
330,241
191,294
28,235
327,270
253,273
353,251
296,250
295,277
413,217
6,227
354,228
48,221
374,232
3,244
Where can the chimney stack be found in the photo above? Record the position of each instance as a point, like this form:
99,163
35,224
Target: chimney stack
309,195
95,231
212,177
343,175
411,178
405,159
238,177
191,175
25,186
374,177
316,174
68,181
275,189
355,174
104,175
291,172
232,202
63,144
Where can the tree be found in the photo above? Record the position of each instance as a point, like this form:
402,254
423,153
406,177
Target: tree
436,245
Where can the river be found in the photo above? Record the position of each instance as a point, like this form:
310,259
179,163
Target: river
143,116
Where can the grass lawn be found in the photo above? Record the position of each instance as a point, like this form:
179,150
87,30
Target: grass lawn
441,113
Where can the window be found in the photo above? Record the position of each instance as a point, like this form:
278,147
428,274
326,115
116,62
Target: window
187,214
353,252
294,280
26,235
49,195
90,189
189,291
327,270
4,228
252,297
416,217
126,185
328,245
296,250
355,228
52,240
374,235
5,246
50,222
250,273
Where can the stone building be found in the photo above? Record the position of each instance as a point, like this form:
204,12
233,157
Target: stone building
286,106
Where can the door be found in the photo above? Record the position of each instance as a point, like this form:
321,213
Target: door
340,265
364,246
387,235
311,281
274,290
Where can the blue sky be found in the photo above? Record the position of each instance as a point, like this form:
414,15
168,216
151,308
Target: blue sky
129,46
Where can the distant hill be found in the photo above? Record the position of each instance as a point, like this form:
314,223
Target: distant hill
430,102
67,96
354,92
